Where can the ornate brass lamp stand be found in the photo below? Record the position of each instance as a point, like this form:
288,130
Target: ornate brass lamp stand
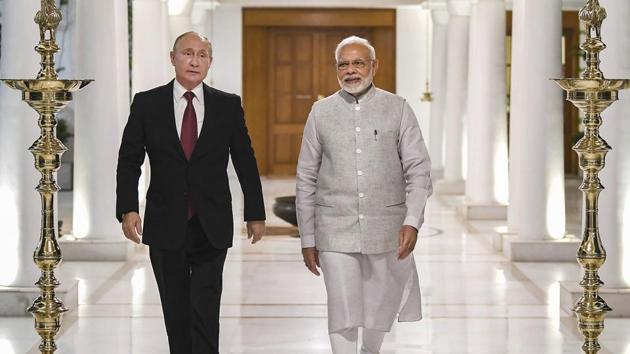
592,94
427,95
47,95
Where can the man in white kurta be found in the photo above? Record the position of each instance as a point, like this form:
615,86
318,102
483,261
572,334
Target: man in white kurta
362,185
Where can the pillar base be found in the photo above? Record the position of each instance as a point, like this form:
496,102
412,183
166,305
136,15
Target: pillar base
450,187
617,299
15,300
483,212
95,250
518,250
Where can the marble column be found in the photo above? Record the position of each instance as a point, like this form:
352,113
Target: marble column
20,206
438,87
456,96
19,202
614,207
151,45
537,210
487,178
180,17
150,65
101,112
209,27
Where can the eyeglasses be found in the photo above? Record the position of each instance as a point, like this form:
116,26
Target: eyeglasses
358,64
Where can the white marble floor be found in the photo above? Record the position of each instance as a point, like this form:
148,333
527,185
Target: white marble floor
474,300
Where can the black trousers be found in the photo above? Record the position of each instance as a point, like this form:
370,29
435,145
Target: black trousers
190,284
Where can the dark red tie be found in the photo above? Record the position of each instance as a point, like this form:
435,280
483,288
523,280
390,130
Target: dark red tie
188,138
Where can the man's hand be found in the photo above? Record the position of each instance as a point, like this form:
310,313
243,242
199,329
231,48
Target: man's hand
255,230
132,226
407,237
311,259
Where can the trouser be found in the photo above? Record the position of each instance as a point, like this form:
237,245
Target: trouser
345,342
190,284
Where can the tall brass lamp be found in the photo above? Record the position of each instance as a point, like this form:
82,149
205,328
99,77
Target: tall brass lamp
592,94
47,95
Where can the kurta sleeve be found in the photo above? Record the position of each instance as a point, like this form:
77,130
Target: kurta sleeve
308,166
416,167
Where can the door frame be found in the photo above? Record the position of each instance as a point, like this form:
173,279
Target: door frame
256,25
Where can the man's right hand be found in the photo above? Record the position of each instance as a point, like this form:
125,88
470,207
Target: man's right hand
311,259
132,226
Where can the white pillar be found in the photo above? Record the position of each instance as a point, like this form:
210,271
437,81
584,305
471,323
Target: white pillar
487,179
166,35
227,64
19,202
180,17
209,27
438,87
518,71
456,95
537,211
614,204
150,60
101,110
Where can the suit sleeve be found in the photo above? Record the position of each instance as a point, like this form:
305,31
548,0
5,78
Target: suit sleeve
244,162
130,159
416,167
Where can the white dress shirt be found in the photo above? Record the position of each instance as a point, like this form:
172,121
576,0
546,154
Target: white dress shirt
181,103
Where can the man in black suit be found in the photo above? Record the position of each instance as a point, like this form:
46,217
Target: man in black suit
188,130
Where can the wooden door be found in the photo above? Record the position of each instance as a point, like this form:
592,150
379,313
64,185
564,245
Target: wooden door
289,63
301,71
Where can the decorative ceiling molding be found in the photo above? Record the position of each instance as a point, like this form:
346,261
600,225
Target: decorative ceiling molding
433,4
567,5
319,3
458,7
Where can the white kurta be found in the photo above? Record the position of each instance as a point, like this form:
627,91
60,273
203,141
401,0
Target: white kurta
363,173
370,290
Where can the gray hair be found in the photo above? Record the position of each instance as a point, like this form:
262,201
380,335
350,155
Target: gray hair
203,39
355,40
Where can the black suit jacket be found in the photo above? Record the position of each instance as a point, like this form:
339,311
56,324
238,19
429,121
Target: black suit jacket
151,129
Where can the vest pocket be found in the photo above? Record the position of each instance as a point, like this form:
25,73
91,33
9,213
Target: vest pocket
322,202
395,203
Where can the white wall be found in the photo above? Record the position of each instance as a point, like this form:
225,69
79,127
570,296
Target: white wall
411,60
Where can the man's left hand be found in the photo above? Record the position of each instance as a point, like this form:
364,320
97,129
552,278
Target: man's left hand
407,238
255,230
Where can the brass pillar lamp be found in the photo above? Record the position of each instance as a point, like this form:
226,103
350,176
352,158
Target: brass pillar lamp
427,96
47,95
592,94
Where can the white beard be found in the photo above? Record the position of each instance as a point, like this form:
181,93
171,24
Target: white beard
357,88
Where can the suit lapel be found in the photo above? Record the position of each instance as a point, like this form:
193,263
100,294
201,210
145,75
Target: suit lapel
168,106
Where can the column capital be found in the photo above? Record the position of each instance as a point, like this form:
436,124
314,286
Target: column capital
458,7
